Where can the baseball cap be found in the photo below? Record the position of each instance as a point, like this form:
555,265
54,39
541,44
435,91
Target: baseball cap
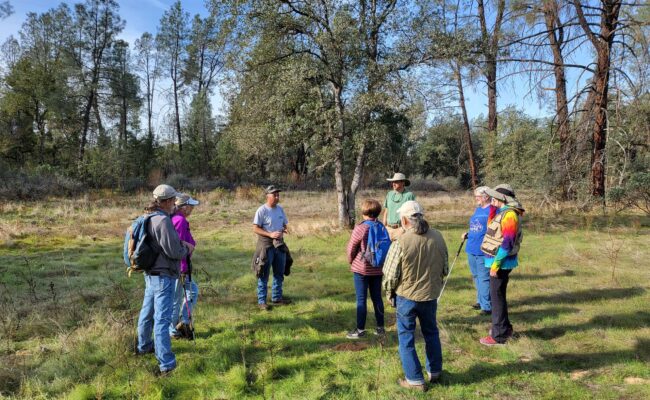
271,189
164,192
409,209
183,199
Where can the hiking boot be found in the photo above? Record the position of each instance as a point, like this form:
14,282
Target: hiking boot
404,383
433,377
356,334
142,353
165,373
263,306
184,331
380,331
489,341
280,302
476,306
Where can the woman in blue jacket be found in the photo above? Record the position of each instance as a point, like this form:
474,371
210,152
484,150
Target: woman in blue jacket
477,228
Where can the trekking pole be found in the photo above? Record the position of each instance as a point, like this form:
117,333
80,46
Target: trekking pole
452,267
187,298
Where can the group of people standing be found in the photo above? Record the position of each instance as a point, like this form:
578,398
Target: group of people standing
416,267
412,275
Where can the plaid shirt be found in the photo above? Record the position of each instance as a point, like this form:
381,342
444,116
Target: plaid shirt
392,267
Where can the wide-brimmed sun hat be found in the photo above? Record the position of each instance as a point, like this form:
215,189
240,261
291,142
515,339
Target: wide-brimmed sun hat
502,192
164,192
409,209
399,177
184,199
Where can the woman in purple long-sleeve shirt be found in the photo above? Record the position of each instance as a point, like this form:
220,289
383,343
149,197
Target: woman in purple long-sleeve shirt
186,291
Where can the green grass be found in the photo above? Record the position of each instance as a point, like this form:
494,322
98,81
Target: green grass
69,312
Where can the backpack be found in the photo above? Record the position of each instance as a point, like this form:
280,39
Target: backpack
139,255
378,244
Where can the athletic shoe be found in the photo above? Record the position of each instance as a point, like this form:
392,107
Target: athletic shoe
404,383
433,377
282,301
380,331
476,306
263,307
356,334
489,341
509,332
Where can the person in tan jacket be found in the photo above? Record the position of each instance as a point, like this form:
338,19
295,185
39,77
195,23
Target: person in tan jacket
414,271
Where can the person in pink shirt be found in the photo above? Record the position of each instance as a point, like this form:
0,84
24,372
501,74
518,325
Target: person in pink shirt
366,277
186,290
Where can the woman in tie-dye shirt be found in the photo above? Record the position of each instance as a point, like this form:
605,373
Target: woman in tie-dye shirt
504,259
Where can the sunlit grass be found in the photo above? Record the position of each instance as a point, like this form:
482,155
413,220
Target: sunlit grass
69,311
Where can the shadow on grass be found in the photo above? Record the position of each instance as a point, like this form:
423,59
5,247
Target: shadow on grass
541,277
554,363
581,296
629,321
515,316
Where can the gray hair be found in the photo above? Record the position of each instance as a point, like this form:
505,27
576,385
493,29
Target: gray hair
418,223
481,191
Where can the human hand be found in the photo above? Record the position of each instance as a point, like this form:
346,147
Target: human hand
390,299
276,235
493,272
463,236
189,246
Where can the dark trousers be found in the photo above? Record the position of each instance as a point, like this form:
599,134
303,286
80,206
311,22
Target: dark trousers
501,326
362,285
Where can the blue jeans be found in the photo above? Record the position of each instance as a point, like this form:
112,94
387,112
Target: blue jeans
361,285
275,258
481,277
192,293
156,315
425,312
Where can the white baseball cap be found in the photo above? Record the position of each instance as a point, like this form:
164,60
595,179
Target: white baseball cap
410,208
183,199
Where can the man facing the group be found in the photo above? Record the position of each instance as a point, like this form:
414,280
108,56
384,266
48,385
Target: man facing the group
394,200
270,225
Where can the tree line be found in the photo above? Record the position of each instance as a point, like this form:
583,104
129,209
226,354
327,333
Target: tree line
335,93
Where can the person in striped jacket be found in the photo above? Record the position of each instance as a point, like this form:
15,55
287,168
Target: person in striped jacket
366,277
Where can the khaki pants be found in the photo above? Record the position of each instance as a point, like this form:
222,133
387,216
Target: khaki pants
394,233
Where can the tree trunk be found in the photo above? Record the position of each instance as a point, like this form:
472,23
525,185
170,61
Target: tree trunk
562,169
603,45
346,215
177,116
466,128
84,130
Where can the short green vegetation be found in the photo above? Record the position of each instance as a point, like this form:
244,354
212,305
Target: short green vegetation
579,305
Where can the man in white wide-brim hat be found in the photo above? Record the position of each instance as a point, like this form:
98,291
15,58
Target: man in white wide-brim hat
394,200
501,247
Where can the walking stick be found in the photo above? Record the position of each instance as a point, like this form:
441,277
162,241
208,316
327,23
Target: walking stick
452,267
187,298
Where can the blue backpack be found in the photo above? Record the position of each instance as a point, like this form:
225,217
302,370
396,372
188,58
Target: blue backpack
139,255
378,244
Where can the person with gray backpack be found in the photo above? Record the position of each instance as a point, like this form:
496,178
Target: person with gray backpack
159,278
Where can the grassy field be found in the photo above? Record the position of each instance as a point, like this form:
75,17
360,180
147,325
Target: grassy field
578,302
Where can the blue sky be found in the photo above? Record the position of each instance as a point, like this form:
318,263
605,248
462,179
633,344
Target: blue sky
143,15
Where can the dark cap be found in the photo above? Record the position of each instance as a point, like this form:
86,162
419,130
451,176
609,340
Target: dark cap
271,189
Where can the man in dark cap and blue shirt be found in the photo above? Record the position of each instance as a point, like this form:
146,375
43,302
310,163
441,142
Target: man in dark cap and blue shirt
270,225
